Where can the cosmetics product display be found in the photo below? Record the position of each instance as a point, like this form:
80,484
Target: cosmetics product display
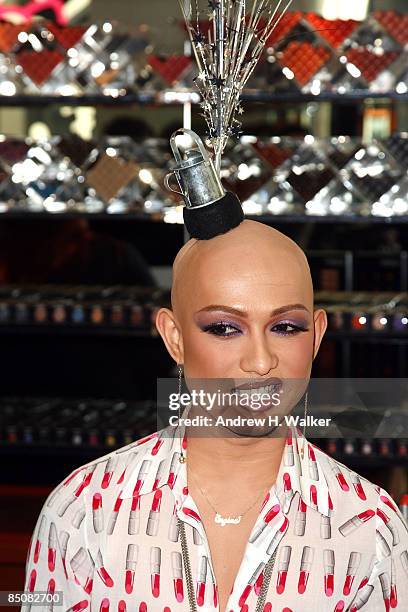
39,57
367,312
305,53
271,176
82,307
128,307
64,423
67,174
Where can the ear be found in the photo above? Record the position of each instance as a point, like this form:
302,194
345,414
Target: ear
320,326
167,327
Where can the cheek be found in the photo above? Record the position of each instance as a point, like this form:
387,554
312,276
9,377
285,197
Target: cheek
295,356
206,356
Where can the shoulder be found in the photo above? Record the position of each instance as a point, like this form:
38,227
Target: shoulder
88,488
353,494
351,490
101,473
92,489
344,482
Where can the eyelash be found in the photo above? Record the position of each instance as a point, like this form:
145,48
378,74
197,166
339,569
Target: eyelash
213,327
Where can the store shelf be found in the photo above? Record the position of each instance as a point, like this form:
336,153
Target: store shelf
98,99
369,219
98,332
157,218
71,331
133,216
117,306
180,97
325,96
368,337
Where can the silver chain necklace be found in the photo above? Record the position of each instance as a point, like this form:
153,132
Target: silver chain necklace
260,604
184,548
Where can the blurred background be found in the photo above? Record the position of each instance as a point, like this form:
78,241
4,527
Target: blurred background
88,232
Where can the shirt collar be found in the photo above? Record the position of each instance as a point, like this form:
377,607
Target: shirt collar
162,467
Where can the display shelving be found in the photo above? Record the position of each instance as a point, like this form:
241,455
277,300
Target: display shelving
181,97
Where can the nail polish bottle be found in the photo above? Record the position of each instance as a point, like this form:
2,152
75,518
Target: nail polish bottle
359,321
128,437
380,321
136,315
4,313
28,436
349,446
97,315
384,447
40,313
77,437
93,438
21,313
116,314
78,314
366,448
402,447
59,314
332,446
400,322
110,439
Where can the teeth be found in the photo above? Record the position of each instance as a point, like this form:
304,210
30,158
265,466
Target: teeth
267,389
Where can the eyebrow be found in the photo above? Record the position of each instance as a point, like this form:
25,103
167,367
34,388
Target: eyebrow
241,313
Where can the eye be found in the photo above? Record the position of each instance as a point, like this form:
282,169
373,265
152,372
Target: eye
225,330
220,329
287,329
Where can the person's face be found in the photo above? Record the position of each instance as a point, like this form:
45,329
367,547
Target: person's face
247,317
249,328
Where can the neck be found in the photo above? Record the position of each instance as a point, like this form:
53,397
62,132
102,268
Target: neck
247,462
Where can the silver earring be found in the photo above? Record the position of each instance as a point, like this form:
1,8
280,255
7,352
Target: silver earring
180,373
304,427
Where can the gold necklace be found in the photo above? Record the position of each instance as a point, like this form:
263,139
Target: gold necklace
223,520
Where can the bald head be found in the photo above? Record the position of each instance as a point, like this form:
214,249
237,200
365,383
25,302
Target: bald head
252,250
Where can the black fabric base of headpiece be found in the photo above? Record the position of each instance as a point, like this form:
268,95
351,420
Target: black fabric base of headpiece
216,218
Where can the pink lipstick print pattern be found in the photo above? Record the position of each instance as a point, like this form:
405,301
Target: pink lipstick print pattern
108,538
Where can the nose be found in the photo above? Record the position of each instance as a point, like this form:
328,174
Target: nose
259,356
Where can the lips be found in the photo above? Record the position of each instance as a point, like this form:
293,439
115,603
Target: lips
276,383
263,388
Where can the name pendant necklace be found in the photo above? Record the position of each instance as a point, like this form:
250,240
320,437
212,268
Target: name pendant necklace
224,520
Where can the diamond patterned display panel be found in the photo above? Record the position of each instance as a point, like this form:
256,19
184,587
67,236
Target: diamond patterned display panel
305,53
337,176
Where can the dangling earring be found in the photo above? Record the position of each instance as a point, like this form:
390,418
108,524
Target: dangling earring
180,373
302,450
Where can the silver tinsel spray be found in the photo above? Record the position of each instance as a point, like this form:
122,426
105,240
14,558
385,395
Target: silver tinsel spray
226,55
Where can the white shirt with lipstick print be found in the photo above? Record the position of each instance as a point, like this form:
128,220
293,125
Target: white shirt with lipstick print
107,537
